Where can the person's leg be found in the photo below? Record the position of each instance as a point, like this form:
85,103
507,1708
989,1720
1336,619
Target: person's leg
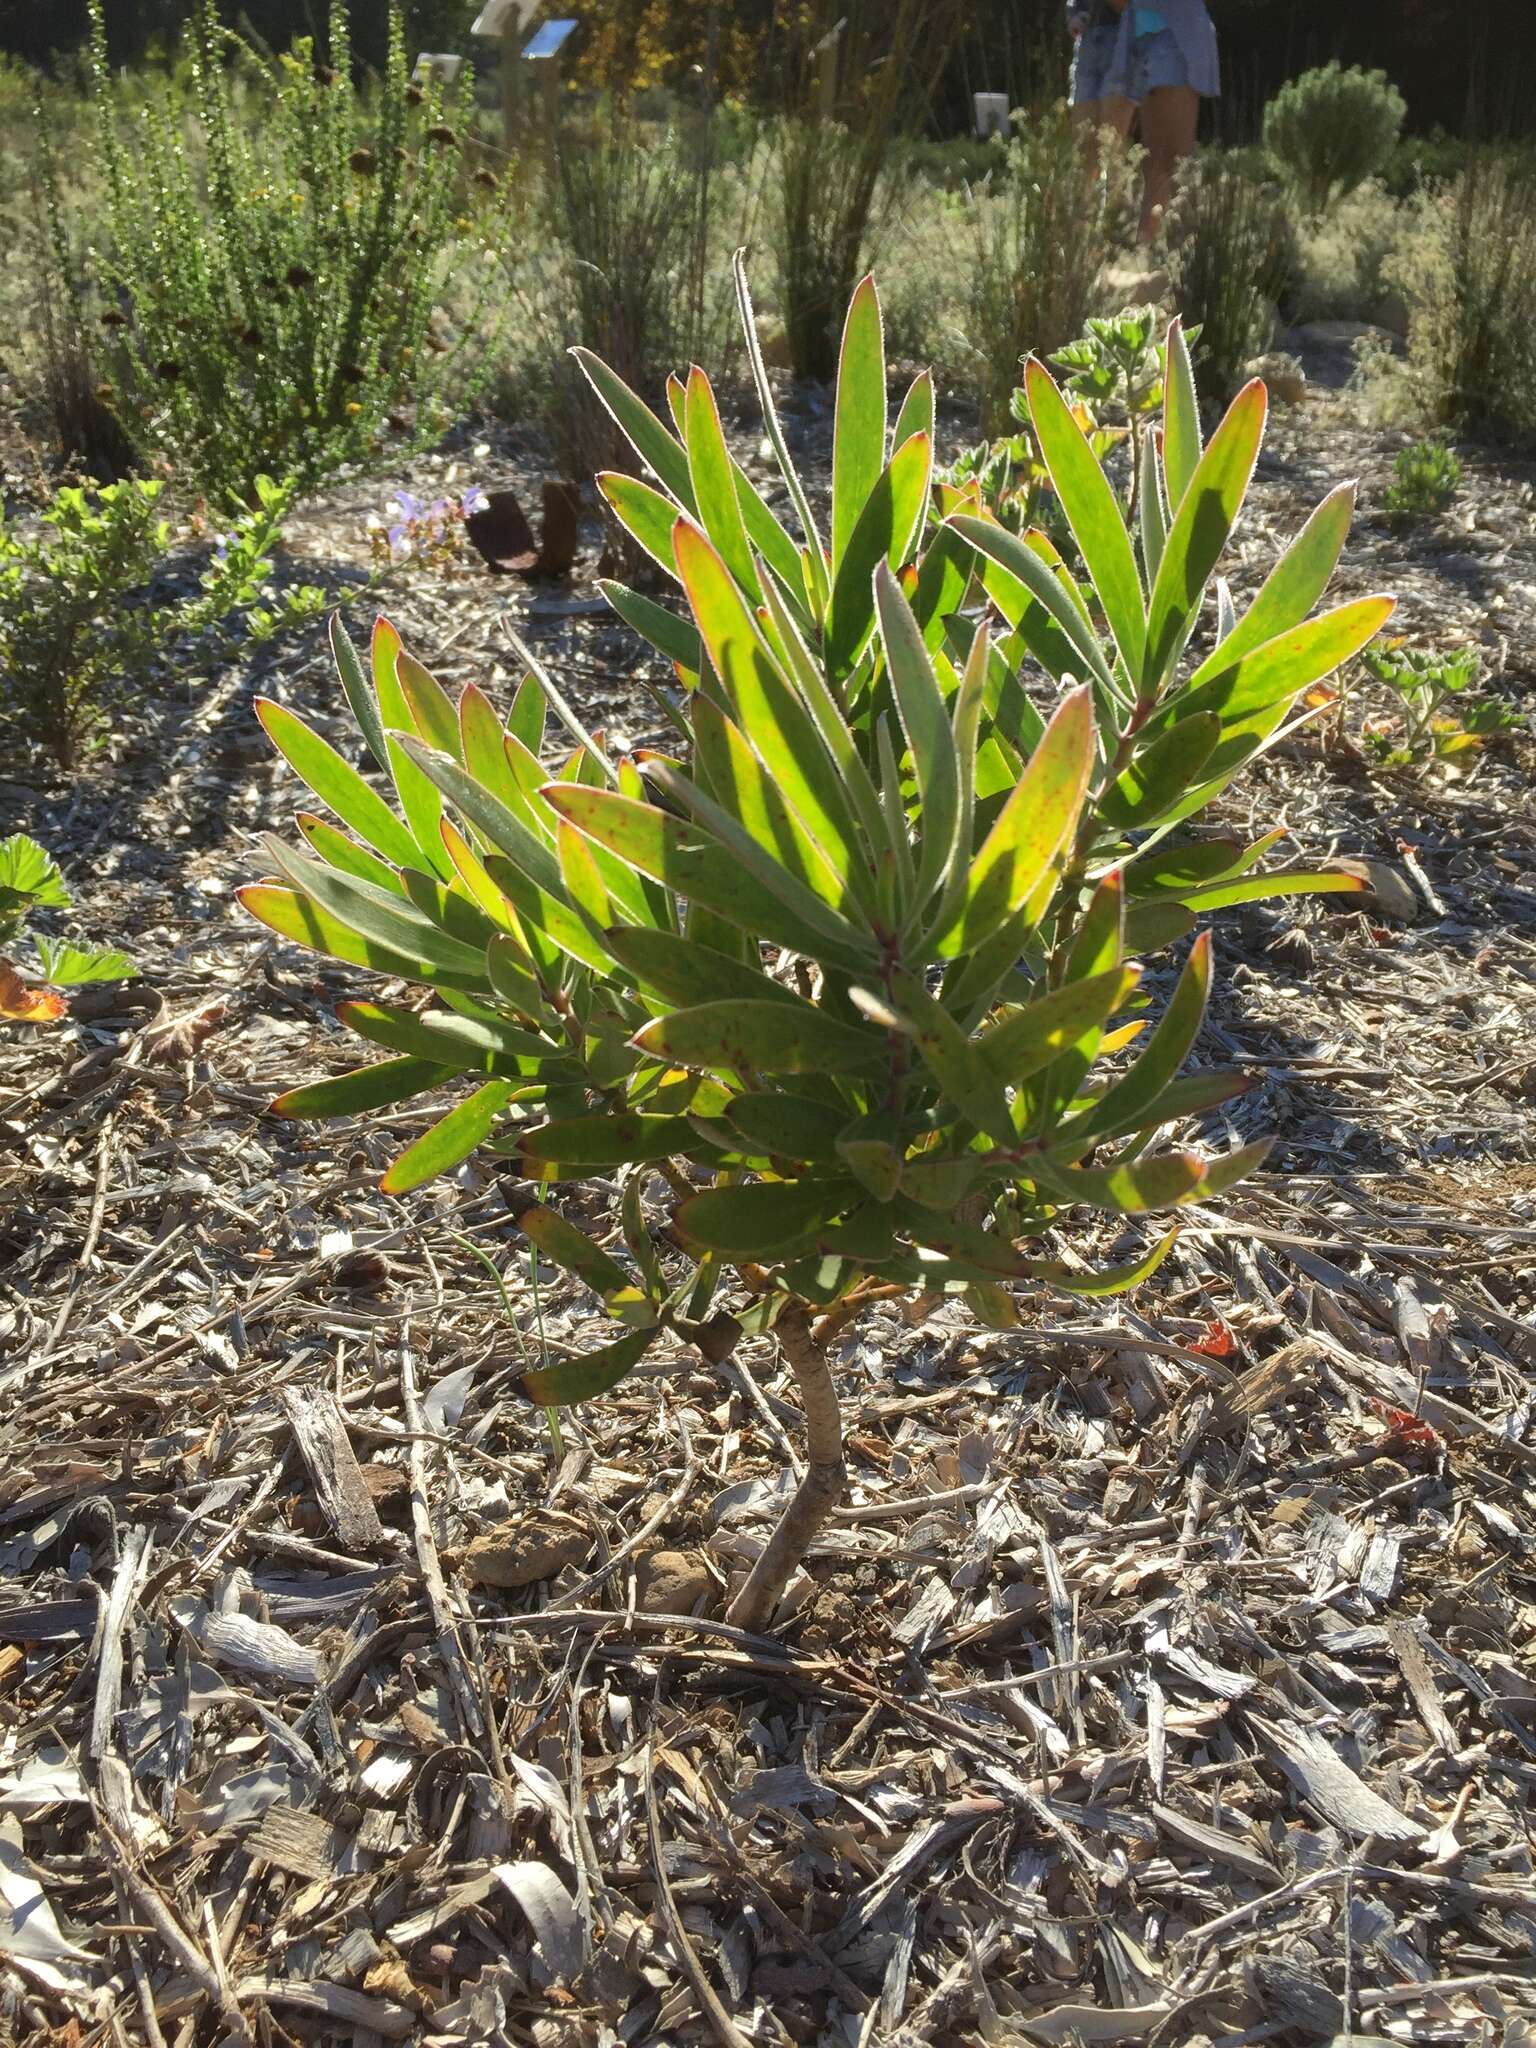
1170,115
1093,117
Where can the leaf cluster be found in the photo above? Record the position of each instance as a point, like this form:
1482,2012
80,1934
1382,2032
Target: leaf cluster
842,963
79,614
1426,478
1441,717
272,290
30,881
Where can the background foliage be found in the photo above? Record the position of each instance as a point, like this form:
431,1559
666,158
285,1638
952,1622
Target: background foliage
1459,63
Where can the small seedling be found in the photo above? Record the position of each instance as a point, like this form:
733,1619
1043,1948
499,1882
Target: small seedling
1441,717
1427,477
30,881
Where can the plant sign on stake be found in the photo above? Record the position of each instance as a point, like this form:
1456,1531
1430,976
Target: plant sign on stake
828,981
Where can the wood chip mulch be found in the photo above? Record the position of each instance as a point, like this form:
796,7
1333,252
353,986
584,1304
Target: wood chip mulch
1167,1678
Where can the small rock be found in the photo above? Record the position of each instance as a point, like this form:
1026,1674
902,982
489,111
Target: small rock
1286,379
1387,893
673,1582
519,1556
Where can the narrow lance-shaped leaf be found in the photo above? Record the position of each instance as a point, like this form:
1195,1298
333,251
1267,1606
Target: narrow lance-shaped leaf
1181,418
763,1036
1032,825
886,528
858,431
358,690
1201,528
1093,512
362,1089
1164,1053
714,483
450,1141
925,719
640,426
588,1375
337,784
1291,588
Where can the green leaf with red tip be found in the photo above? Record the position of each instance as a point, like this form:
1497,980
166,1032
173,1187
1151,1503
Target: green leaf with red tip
760,1037
714,482
644,513
887,526
1029,830
1093,512
337,784
450,1141
1201,526
1128,1099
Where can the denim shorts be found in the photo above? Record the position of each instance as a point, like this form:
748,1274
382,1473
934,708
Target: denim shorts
1091,62
1156,60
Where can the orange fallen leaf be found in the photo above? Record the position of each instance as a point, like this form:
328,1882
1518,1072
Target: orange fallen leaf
22,1003
1218,1341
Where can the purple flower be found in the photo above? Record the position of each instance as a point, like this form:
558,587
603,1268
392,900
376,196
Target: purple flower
408,507
474,500
221,548
399,541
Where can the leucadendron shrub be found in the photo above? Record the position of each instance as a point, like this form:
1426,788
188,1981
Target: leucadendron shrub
275,257
835,982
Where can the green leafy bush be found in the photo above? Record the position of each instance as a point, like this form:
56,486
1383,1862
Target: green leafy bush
1040,238
1343,257
1469,277
272,290
630,229
1426,478
78,618
1439,715
1333,128
857,75
30,881
828,980
1230,250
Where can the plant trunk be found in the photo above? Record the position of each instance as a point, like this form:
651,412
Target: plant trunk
818,1492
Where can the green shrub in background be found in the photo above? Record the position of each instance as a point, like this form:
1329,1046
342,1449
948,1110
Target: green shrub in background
1469,278
272,292
1040,236
1230,249
80,621
1332,129
1343,257
630,227
1426,478
827,980
859,77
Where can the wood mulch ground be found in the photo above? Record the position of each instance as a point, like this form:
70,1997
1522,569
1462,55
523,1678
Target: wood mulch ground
1167,1677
